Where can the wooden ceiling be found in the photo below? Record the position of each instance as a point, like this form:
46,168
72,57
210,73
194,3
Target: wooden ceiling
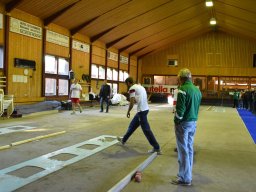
140,27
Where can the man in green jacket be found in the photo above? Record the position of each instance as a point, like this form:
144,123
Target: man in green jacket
187,107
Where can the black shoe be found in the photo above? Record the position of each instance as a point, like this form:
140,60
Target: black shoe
120,139
106,111
159,152
179,182
101,111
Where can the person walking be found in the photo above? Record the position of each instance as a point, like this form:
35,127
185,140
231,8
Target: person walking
138,95
104,95
75,93
185,119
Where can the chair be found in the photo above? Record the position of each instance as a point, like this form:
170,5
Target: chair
6,103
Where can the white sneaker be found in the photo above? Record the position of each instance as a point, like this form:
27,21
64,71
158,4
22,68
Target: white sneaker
73,113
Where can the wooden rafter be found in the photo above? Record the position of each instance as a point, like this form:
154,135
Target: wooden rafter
12,5
110,44
51,18
78,28
96,37
127,46
136,51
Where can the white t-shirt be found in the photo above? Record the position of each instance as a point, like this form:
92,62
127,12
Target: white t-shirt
75,90
140,95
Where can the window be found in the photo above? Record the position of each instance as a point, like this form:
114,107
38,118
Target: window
1,57
101,72
63,87
200,82
98,71
115,75
63,68
126,75
94,71
109,74
114,88
56,76
121,75
50,64
50,87
253,83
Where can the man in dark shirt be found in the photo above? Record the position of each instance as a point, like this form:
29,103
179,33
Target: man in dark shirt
104,95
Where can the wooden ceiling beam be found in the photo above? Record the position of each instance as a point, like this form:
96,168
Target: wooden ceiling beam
51,18
145,54
12,5
96,37
136,51
78,28
110,44
127,46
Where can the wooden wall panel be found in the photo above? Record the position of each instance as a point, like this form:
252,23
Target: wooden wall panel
98,54
54,49
1,37
215,53
57,50
124,66
98,60
133,68
122,88
24,47
112,64
95,86
80,63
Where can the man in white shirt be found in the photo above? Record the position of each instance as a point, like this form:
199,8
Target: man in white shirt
75,92
138,95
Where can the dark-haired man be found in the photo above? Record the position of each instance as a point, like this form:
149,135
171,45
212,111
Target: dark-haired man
138,95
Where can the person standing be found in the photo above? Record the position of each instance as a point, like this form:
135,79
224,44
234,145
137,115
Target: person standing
235,99
138,95
185,119
75,93
104,95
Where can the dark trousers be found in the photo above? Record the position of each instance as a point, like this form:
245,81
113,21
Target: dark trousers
140,119
102,100
235,103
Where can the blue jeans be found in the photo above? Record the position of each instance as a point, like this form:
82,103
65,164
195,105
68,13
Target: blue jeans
185,132
101,103
140,119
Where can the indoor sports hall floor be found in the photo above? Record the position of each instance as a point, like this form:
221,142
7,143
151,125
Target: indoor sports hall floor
225,158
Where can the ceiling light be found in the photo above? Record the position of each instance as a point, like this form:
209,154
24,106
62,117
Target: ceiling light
213,21
208,3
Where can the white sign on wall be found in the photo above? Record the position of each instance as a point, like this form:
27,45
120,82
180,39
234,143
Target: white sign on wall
112,56
57,38
123,59
81,46
1,21
24,28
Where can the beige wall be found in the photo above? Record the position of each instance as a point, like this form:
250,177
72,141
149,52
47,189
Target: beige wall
215,53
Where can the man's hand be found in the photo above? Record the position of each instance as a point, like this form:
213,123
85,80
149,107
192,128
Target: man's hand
128,114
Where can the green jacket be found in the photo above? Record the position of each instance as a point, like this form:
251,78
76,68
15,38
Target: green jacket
188,102
236,95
